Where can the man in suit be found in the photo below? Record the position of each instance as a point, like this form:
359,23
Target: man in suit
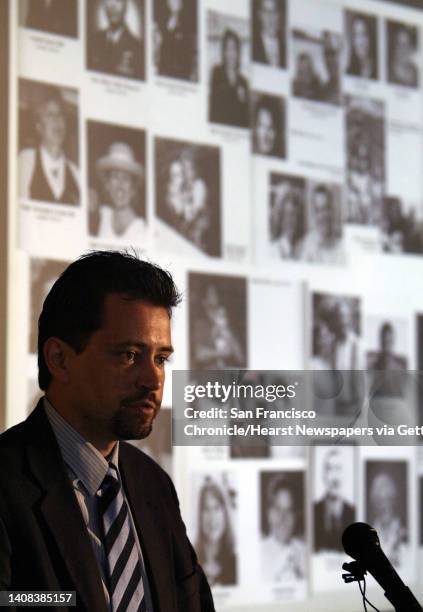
116,50
388,369
80,509
269,37
175,39
332,513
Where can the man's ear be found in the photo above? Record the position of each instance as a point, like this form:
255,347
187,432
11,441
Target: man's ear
57,355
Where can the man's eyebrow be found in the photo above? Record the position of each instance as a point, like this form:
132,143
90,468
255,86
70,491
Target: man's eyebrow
166,348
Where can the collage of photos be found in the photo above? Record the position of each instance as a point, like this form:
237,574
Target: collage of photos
261,151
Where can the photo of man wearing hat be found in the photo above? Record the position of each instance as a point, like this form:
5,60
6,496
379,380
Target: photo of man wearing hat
116,176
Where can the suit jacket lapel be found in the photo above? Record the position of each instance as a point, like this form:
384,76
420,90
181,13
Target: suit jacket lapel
61,511
152,529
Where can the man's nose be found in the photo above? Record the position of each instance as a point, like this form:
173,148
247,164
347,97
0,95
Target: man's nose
149,375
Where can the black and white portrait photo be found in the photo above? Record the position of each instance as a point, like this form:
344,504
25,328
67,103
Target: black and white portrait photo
228,60
316,69
117,182
402,41
269,32
188,196
287,207
362,45
323,241
305,220
250,447
401,231
48,143
386,489
116,37
365,141
215,527
386,359
282,526
51,16
268,125
217,322
43,273
337,343
334,495
175,39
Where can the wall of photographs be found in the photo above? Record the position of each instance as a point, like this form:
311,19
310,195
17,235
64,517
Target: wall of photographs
269,153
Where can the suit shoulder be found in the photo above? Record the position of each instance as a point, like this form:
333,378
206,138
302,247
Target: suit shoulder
218,72
130,38
144,461
12,442
13,436
99,36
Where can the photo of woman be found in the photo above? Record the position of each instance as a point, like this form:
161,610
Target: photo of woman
362,38
215,544
188,191
286,220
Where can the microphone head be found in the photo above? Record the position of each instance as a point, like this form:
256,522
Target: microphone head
357,538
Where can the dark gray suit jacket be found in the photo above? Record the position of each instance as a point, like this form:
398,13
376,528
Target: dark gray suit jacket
44,543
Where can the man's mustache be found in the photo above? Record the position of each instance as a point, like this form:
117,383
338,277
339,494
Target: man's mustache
142,396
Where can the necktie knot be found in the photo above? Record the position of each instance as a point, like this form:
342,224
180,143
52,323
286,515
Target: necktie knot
110,481
109,489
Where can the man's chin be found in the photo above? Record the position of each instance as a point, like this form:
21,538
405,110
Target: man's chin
133,431
134,434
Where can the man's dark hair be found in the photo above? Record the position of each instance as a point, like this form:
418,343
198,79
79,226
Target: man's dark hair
49,94
385,328
228,35
276,485
270,105
73,309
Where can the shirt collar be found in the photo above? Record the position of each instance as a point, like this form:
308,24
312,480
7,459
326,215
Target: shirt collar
85,461
49,161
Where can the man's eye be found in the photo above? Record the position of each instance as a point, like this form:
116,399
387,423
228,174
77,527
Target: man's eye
129,356
162,359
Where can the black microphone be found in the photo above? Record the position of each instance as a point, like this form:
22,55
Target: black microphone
361,542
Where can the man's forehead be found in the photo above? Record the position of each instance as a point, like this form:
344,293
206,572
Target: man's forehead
120,311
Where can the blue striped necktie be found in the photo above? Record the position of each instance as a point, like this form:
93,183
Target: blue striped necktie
126,587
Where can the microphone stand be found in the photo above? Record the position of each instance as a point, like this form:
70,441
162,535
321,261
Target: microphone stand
399,595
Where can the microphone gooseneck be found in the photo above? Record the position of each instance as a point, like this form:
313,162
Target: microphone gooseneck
361,542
